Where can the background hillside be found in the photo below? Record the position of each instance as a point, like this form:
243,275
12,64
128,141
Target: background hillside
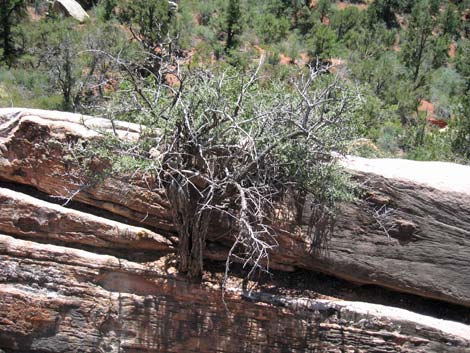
409,60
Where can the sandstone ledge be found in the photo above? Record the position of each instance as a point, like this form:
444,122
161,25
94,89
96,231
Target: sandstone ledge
425,251
56,299
25,216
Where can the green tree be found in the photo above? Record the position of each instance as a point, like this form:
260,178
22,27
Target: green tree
322,43
151,23
450,21
345,20
462,60
306,20
461,143
233,23
54,48
370,42
417,38
434,6
273,29
11,13
148,20
78,64
383,10
323,8
106,9
439,50
446,89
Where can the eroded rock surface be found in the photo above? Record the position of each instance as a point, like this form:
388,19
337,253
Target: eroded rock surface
56,299
405,236
408,232
28,217
36,149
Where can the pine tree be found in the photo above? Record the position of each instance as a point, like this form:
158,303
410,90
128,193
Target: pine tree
11,12
418,38
233,20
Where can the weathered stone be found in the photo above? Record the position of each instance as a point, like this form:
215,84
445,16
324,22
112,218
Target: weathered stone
56,299
36,151
419,243
25,216
409,232
425,246
71,8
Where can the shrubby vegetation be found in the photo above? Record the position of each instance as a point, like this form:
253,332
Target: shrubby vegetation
228,145
186,69
399,52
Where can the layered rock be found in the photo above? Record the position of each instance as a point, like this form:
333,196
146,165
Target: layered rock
71,281
36,148
406,232
27,217
58,299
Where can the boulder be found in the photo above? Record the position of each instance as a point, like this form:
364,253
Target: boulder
71,8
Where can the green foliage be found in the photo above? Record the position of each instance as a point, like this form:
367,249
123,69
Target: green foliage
461,142
24,88
182,27
98,158
446,86
383,11
434,146
390,138
323,8
462,60
417,38
272,29
346,20
11,13
365,43
105,9
206,10
57,45
233,23
450,21
77,64
439,51
322,42
149,20
379,74
395,51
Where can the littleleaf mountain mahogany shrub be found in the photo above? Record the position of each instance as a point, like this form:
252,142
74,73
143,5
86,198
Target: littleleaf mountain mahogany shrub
225,144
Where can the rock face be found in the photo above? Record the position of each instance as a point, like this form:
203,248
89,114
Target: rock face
26,216
35,149
57,299
71,281
406,234
409,232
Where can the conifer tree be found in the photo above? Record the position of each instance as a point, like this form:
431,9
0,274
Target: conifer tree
233,20
11,13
